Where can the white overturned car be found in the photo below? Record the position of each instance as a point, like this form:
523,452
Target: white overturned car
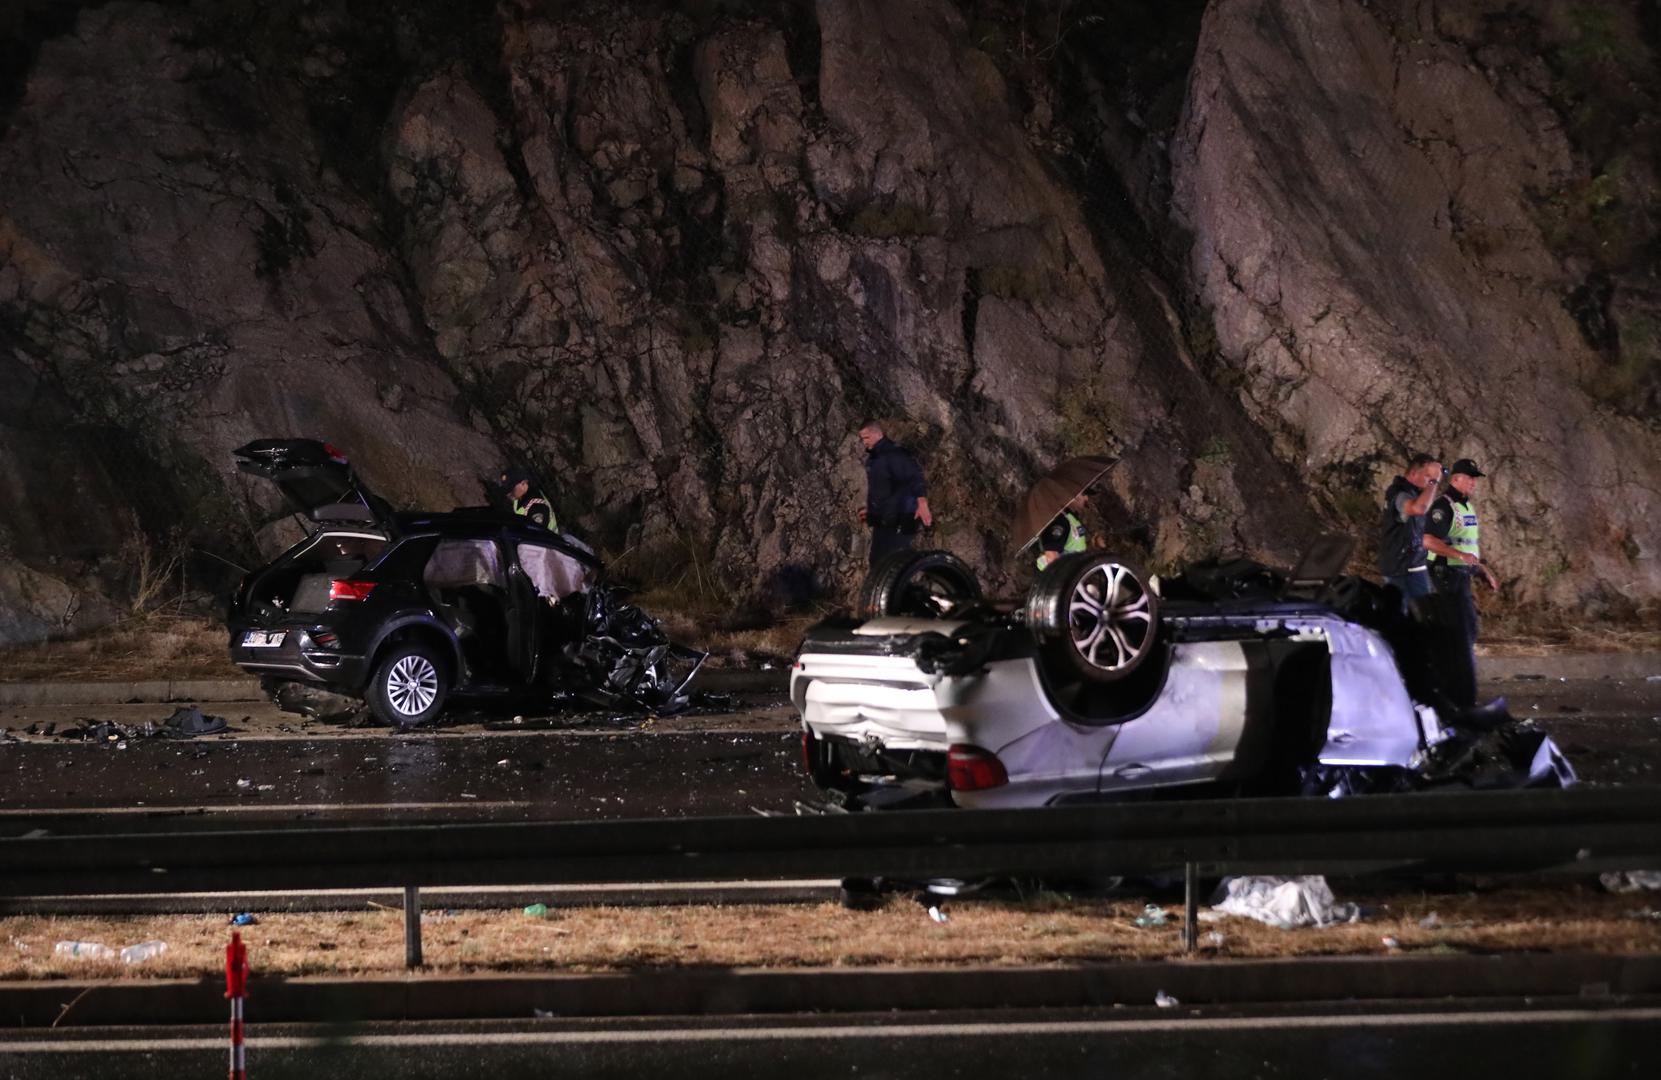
1231,678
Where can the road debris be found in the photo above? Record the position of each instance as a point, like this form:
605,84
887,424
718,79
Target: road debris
1626,881
144,950
84,950
188,721
1389,942
938,914
536,910
1152,915
1287,903
1164,1000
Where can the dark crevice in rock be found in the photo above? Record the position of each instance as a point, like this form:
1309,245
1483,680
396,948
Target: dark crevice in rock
802,44
26,25
971,310
1588,302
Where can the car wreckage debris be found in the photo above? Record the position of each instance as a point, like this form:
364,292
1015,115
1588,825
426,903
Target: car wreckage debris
625,658
187,722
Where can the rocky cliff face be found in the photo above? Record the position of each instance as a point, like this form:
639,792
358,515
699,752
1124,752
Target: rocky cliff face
1367,187
671,255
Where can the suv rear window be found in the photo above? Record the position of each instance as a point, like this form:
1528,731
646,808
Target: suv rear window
460,564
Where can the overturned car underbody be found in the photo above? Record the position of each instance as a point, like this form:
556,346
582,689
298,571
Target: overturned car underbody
1231,678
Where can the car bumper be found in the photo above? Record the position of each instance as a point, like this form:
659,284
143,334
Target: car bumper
298,657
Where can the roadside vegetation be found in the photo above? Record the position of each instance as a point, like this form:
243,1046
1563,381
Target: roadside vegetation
148,646
1046,928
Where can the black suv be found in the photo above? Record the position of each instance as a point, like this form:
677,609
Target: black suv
406,610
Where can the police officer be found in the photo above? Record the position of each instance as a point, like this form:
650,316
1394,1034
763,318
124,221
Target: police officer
1065,534
525,502
896,497
1455,550
1401,544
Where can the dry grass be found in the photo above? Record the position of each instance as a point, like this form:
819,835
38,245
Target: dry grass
1539,631
152,646
1045,929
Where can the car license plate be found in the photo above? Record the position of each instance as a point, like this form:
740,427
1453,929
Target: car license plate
263,639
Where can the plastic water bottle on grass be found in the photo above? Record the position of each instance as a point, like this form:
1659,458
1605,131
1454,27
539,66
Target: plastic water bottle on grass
84,950
144,950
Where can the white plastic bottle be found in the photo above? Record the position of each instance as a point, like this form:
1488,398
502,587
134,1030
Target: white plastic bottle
144,950
84,950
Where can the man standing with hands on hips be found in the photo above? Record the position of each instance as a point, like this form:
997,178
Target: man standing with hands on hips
1451,538
896,498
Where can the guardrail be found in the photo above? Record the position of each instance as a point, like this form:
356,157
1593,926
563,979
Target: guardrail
1530,831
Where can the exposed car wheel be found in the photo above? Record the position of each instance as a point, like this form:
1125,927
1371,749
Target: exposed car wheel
409,685
924,584
1096,613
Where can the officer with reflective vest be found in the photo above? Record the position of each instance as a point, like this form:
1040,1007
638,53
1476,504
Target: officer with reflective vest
527,503
1065,534
1454,546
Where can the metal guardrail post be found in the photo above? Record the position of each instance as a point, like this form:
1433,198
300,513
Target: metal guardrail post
1191,907
412,926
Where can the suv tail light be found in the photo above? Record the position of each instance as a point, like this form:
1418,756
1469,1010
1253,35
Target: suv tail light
350,590
969,768
807,751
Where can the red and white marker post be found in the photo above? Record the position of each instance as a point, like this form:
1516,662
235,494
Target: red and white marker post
236,988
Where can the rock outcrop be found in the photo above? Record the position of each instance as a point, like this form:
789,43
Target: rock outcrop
671,257
1362,189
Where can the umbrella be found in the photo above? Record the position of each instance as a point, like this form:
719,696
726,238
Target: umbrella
1052,493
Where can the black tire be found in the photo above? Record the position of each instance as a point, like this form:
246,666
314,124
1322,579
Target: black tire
1064,613
924,584
409,686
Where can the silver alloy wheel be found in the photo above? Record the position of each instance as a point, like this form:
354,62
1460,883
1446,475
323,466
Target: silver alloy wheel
1107,605
412,685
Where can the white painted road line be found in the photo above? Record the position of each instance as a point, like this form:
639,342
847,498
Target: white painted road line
14,1045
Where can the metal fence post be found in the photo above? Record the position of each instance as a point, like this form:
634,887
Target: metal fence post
412,926
1191,907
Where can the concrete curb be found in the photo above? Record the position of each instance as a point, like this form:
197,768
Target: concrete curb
126,691
703,992
1571,666
120,692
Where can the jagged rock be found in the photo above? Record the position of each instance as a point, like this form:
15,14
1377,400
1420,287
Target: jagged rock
1359,191
671,257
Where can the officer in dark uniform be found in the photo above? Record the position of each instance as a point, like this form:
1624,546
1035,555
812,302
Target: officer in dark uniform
1455,548
1401,542
527,502
896,497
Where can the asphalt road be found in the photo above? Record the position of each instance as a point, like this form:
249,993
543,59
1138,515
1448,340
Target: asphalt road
573,765
1513,1041
741,758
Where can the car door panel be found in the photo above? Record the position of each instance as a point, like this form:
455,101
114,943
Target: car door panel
1190,733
